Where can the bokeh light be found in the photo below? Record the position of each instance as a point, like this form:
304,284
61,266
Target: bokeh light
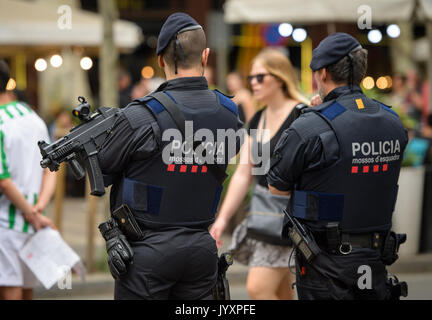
86,63
374,36
11,85
147,72
40,65
393,31
382,83
368,83
389,81
56,61
299,34
285,29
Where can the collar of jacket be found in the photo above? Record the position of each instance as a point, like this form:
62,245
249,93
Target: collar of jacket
341,91
186,83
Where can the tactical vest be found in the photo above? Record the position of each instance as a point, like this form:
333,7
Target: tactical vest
359,190
178,194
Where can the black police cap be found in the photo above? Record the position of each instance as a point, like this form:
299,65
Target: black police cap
332,49
176,23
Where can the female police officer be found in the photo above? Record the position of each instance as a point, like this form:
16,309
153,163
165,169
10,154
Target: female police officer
340,162
172,200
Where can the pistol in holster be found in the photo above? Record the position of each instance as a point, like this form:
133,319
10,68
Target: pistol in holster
127,223
221,291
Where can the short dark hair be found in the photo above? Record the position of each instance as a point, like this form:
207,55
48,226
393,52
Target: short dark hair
193,43
339,71
4,76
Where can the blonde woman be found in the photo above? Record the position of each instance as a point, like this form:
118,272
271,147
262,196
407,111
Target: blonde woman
273,83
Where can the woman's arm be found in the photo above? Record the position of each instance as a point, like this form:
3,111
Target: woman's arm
237,190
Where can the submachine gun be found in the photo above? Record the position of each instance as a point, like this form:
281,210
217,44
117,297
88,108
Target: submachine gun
80,146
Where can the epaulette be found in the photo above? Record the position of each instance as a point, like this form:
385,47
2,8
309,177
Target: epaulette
386,107
226,101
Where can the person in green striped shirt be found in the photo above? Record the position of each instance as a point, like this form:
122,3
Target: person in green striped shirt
25,189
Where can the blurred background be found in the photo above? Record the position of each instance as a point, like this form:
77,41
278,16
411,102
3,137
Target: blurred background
105,50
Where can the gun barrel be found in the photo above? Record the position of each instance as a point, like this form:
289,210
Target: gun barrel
45,162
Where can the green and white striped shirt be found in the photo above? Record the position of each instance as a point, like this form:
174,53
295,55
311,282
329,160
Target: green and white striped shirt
20,130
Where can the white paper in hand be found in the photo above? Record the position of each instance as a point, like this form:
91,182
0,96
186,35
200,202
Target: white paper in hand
48,256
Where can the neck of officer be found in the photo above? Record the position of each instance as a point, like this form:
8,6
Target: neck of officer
330,86
183,73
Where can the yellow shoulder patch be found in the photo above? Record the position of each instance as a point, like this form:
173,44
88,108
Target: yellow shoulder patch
359,103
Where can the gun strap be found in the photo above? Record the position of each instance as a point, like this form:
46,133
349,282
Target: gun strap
179,119
171,107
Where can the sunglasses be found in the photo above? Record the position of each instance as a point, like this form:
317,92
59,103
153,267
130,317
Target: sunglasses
259,77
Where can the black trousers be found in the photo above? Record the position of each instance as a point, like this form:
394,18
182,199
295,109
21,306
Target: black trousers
360,275
176,263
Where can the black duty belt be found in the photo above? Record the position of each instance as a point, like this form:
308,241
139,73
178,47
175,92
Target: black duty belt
343,243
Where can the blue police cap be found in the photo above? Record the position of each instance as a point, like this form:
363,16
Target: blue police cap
176,23
332,49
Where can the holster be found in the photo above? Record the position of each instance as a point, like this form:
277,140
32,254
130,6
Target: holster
221,291
391,247
127,223
397,288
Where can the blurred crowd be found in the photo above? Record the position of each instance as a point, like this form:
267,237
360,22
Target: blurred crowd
410,98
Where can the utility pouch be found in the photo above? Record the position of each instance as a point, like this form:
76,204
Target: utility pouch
391,247
127,223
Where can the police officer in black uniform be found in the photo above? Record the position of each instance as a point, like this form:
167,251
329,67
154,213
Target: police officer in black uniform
171,255
340,162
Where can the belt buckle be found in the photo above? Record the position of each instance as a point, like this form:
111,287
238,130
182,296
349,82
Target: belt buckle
345,252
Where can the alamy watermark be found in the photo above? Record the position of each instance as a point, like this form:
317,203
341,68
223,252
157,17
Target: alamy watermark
202,147
365,19
64,22
65,281
365,280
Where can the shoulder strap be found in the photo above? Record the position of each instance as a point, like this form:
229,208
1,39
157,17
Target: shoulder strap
179,119
171,107
386,107
226,101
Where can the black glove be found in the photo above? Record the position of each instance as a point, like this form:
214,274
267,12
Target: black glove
119,251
